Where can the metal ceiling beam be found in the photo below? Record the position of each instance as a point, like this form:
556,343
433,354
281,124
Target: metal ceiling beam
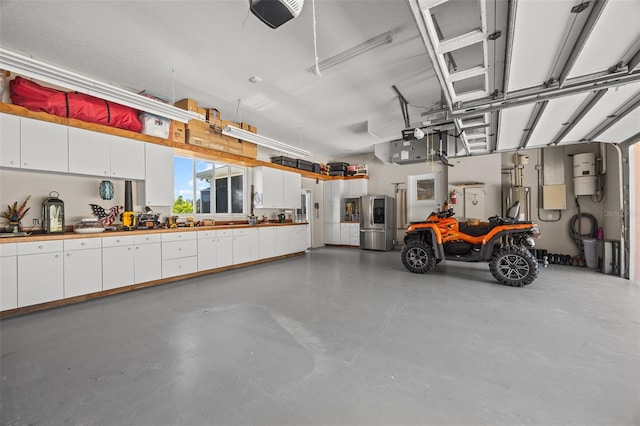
548,94
579,115
631,140
511,29
634,62
538,110
597,6
618,115
419,17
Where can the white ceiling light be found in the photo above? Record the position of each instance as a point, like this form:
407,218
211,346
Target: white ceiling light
263,141
361,48
33,68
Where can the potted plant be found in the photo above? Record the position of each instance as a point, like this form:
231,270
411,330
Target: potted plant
15,214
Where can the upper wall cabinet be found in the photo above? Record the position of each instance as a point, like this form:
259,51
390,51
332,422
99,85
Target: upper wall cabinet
9,140
276,189
157,189
101,154
43,146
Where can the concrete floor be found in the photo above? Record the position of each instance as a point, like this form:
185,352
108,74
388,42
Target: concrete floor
338,337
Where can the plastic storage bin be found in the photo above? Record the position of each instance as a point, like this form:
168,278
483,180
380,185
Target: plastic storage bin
590,252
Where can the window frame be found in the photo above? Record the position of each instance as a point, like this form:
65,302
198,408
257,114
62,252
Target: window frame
215,164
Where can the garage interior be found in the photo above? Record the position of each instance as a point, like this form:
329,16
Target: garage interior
508,95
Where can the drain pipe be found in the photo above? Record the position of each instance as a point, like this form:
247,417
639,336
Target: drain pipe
622,212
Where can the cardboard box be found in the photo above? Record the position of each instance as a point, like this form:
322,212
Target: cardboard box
188,104
249,149
235,147
178,132
212,114
206,140
248,127
198,125
202,111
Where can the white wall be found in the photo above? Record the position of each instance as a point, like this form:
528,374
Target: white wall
555,235
484,169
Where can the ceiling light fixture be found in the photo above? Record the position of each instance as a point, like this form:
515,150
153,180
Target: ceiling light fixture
361,48
32,68
234,132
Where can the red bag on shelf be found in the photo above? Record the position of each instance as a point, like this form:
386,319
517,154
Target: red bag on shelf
81,106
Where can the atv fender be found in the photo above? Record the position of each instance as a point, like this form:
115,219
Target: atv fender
428,233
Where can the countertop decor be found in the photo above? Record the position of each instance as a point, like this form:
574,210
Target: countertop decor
15,214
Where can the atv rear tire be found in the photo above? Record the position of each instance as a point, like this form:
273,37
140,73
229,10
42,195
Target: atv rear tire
514,266
418,257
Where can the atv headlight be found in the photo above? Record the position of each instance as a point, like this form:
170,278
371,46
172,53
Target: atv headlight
535,230
529,242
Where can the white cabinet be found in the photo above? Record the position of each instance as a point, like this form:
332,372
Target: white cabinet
82,266
117,262
40,272
207,243
147,258
9,140
127,158
266,242
282,240
350,234
276,189
245,245
224,248
354,188
292,188
157,188
268,187
89,152
179,254
298,238
43,145
8,276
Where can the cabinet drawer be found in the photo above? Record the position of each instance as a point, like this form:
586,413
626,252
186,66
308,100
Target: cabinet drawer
40,247
204,235
223,233
147,239
126,240
82,244
179,236
175,267
178,249
247,231
9,249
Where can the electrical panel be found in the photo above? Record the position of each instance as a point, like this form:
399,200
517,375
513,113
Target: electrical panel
554,197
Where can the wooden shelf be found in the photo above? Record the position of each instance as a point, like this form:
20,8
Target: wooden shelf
184,149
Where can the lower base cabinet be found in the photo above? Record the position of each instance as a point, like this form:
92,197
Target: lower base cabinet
179,254
117,262
147,258
82,266
40,272
8,276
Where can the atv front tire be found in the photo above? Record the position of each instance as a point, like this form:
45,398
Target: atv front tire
514,266
418,257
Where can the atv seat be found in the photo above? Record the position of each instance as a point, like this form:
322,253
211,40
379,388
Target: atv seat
514,211
473,230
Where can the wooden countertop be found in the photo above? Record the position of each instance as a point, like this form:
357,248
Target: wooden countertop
72,235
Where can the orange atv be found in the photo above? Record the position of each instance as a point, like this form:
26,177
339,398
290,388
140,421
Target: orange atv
503,242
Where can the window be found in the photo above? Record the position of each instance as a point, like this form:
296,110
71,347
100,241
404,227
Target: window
206,187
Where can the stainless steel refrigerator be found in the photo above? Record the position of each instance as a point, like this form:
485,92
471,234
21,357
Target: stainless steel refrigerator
377,222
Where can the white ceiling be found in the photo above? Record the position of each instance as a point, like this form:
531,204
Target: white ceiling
208,50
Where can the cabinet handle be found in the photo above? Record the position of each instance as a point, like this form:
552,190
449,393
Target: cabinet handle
12,162
117,241
40,247
179,249
25,164
83,244
68,254
137,248
56,256
129,248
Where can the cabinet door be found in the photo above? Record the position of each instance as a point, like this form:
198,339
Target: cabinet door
177,267
297,239
9,140
117,267
127,158
43,145
272,188
178,249
82,272
345,234
335,233
8,282
224,251
337,187
207,253
241,249
282,240
266,242
147,262
292,185
40,278
89,152
157,188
